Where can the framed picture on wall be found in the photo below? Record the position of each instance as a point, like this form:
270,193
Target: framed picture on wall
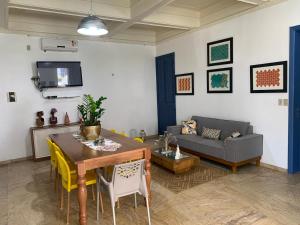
185,84
220,52
219,80
269,77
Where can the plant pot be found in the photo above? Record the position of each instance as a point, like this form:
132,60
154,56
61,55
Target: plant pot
91,132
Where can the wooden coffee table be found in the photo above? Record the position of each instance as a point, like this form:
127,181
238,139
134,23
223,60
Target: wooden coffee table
168,161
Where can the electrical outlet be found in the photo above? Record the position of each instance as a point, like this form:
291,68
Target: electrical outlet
280,102
285,102
11,96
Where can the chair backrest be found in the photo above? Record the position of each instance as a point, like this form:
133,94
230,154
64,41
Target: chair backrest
113,130
52,152
138,139
64,169
123,134
127,178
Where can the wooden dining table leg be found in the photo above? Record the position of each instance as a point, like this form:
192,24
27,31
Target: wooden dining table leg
148,172
82,193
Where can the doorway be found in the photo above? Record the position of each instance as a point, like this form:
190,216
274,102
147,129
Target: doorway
294,101
165,84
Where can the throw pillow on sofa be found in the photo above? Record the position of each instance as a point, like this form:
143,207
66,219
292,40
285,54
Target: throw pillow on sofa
189,127
211,133
235,134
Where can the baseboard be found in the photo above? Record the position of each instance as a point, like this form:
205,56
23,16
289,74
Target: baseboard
277,168
15,160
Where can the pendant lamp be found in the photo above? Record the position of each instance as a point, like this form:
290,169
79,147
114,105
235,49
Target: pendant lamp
92,25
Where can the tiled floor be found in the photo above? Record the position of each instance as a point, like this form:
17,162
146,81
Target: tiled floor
257,196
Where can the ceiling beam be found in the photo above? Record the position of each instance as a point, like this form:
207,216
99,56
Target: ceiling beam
174,17
81,8
139,11
4,13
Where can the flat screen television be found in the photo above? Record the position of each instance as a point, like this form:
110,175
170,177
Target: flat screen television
59,74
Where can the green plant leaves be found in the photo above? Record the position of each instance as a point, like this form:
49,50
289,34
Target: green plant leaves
91,110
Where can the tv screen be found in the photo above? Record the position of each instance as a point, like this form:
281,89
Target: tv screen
59,74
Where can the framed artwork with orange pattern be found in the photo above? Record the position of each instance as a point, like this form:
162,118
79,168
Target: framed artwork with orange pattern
185,84
269,77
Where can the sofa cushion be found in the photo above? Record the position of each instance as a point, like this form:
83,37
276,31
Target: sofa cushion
189,127
227,127
211,133
196,143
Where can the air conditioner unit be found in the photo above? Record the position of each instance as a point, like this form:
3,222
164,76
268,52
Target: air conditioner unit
60,45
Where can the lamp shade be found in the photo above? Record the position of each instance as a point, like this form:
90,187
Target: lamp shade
92,26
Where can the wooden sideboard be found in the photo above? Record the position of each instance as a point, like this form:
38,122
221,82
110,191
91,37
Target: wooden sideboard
39,137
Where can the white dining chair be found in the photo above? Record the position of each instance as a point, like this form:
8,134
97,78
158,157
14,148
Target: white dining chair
127,179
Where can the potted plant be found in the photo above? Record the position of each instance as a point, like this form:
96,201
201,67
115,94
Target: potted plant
91,112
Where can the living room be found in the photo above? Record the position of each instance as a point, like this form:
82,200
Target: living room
122,66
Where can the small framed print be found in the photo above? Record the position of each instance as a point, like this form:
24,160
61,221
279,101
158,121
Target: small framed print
219,80
220,52
269,77
185,84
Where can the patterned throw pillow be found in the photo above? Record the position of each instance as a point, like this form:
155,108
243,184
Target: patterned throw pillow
189,127
211,133
235,134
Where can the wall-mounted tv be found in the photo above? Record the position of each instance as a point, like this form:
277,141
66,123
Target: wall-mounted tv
59,74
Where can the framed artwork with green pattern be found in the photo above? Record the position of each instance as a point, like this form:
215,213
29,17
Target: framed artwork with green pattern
220,52
219,80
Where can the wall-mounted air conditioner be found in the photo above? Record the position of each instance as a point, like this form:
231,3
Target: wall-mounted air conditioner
62,45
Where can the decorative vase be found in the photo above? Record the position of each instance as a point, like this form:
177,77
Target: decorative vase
67,119
91,132
177,153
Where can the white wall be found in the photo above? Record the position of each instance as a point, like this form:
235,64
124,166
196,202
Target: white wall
259,37
131,92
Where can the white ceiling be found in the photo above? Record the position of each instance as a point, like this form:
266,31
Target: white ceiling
138,21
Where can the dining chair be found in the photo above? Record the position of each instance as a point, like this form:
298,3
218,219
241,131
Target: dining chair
71,165
52,147
127,179
69,181
117,132
138,139
123,134
53,160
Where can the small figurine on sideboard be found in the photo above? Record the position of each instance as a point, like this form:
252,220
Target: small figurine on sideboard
40,120
53,118
67,119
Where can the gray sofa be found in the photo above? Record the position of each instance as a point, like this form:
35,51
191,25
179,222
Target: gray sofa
233,152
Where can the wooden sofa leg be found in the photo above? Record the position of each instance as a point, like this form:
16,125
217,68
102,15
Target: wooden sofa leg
234,168
257,162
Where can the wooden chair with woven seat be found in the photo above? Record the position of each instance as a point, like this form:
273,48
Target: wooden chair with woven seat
69,181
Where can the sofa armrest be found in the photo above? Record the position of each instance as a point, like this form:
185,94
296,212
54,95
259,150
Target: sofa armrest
175,130
243,148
